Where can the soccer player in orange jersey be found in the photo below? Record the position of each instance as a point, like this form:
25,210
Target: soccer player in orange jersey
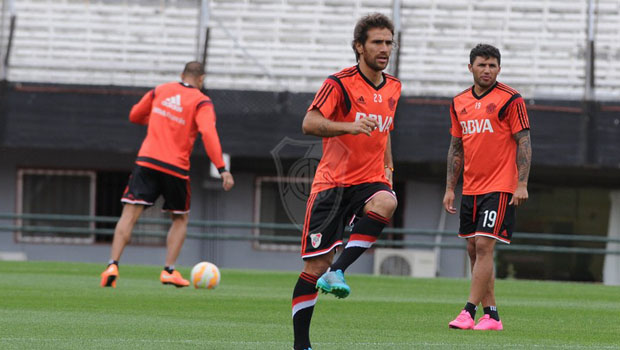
174,113
353,112
491,144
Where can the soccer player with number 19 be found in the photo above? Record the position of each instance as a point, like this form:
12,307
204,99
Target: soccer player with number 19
491,142
353,112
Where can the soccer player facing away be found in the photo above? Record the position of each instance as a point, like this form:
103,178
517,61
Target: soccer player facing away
491,144
353,112
174,113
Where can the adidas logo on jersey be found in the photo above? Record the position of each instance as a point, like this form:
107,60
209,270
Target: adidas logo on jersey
384,122
361,101
173,103
477,126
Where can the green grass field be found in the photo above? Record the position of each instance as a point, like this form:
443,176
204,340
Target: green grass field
61,306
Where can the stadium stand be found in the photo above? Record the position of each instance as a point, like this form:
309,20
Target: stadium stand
607,71
298,42
292,45
101,42
538,42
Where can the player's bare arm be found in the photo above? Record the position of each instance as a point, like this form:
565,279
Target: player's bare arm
387,160
454,168
524,161
316,124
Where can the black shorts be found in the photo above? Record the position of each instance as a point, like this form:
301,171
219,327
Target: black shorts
329,212
146,185
487,215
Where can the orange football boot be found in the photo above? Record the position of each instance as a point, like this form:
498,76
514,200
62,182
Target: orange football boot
173,278
109,276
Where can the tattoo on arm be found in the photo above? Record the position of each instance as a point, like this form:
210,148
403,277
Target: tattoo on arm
455,162
524,154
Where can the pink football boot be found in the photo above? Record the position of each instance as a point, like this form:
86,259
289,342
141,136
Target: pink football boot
462,321
486,323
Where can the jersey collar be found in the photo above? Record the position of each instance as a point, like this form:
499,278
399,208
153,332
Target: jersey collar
473,91
370,82
186,85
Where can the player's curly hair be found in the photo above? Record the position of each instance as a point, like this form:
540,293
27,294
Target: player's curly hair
486,51
374,20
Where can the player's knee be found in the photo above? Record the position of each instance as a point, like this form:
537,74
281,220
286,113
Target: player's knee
180,218
471,251
383,204
484,247
317,265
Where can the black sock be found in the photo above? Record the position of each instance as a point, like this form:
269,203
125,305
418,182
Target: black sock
115,262
169,269
492,312
347,257
304,298
471,308
364,234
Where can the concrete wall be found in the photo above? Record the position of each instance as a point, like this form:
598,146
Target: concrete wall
422,210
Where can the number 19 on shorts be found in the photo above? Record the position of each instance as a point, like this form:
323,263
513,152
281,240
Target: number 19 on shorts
489,218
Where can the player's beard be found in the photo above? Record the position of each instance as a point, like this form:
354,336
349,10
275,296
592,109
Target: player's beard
374,65
483,84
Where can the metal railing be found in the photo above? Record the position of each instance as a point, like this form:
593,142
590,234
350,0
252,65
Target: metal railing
208,224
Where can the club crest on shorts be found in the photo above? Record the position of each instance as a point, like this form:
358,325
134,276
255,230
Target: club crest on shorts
315,239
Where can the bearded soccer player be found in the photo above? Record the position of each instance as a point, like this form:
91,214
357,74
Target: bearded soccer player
491,144
353,112
174,113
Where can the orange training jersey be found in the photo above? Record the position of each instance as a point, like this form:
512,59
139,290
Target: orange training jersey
175,113
486,125
354,159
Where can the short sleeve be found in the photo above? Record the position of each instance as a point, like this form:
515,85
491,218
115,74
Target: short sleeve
328,99
516,114
455,129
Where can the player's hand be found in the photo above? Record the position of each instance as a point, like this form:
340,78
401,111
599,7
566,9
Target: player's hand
389,175
520,195
227,180
448,202
363,126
